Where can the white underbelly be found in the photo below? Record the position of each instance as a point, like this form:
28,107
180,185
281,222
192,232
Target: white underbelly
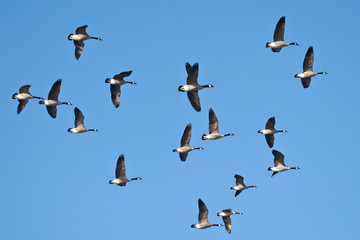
23,96
52,103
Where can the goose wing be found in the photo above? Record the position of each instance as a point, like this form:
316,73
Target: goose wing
309,60
52,111
79,117
55,90
120,167
270,140
238,192
194,100
121,75
279,30
306,82
183,156
79,46
276,49
81,30
25,89
279,158
22,104
270,124
239,180
227,223
193,73
185,140
203,212
213,122
115,94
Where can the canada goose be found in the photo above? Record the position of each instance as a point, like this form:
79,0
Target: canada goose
279,42
308,68
269,131
115,84
52,100
226,213
79,123
185,141
203,217
192,87
23,97
121,178
279,163
214,128
79,37
240,186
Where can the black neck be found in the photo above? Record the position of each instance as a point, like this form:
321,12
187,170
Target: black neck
97,38
135,178
38,97
199,148
229,134
131,82
67,103
94,130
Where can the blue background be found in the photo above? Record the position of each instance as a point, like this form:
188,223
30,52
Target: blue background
54,184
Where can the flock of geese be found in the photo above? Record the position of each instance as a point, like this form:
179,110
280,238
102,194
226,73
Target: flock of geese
191,88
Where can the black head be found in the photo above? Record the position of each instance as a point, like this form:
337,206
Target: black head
70,36
41,102
107,80
203,137
294,43
14,96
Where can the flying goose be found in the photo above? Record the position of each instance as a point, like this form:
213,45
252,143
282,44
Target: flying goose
23,97
115,84
214,128
185,141
79,37
192,87
226,213
121,178
203,217
308,68
279,42
52,100
79,123
269,131
240,186
279,163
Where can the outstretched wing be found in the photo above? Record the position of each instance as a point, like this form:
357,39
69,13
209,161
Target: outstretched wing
25,89
183,156
79,117
227,223
120,167
52,111
270,124
79,46
270,140
279,158
193,73
306,82
22,104
81,30
185,140
238,192
203,212
239,180
213,122
309,60
279,30
121,75
115,94
194,100
55,90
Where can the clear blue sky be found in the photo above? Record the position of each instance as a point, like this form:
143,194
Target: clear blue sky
54,184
